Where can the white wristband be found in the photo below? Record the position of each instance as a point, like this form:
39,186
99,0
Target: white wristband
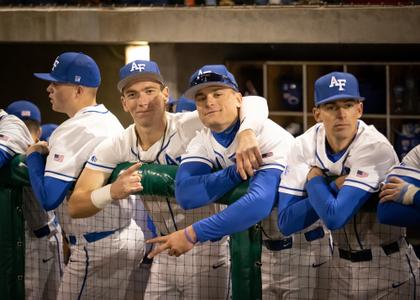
409,194
101,197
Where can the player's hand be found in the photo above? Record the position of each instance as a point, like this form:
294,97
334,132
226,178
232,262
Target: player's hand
313,172
176,243
127,183
248,155
398,190
339,181
41,147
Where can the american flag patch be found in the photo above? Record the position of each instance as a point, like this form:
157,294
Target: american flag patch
58,157
4,138
361,174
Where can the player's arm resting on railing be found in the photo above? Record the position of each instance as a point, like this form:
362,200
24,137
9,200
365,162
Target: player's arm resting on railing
197,186
400,203
248,210
49,191
91,193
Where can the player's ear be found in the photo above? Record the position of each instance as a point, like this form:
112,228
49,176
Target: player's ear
124,103
165,92
360,109
317,114
238,97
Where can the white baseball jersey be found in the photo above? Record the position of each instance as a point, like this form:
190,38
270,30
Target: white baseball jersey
14,135
274,143
168,150
412,159
365,162
70,147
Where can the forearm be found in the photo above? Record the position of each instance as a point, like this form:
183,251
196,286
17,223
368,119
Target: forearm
397,214
335,211
251,208
49,192
194,191
295,215
80,205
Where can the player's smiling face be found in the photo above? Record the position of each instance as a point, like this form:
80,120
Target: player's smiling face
218,106
145,101
339,118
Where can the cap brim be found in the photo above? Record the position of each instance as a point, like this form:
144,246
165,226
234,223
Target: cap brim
339,97
146,76
190,93
45,76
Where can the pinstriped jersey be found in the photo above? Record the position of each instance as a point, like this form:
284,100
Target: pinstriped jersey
70,147
274,143
365,162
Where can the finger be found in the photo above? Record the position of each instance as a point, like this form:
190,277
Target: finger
395,180
158,250
240,166
258,156
253,160
248,168
133,168
158,239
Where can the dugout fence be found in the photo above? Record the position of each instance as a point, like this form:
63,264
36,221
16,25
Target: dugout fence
158,180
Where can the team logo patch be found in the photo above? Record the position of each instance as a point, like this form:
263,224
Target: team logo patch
25,113
58,157
4,138
77,78
361,174
137,67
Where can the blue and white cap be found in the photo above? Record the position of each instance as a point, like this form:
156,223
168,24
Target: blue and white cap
336,86
75,68
24,110
139,70
209,75
47,130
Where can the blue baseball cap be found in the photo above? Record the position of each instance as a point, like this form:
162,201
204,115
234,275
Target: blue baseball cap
139,70
24,109
74,68
336,86
47,130
184,104
210,75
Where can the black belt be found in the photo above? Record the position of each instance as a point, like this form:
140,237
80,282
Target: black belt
366,254
278,245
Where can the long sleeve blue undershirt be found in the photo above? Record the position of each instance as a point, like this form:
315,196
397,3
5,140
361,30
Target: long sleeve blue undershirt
195,178
335,210
248,210
49,191
4,158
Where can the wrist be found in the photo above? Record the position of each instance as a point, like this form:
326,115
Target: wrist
190,235
101,197
410,191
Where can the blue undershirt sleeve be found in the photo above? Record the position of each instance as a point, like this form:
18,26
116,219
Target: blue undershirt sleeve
49,191
295,213
196,186
248,210
397,214
416,200
4,158
335,211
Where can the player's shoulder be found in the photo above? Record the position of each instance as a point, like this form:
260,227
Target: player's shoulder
275,131
368,137
412,159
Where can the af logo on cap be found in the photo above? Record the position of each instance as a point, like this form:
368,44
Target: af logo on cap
137,67
341,83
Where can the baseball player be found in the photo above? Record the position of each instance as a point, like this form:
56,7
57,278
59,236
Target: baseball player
400,200
217,98
43,238
369,259
104,248
161,137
